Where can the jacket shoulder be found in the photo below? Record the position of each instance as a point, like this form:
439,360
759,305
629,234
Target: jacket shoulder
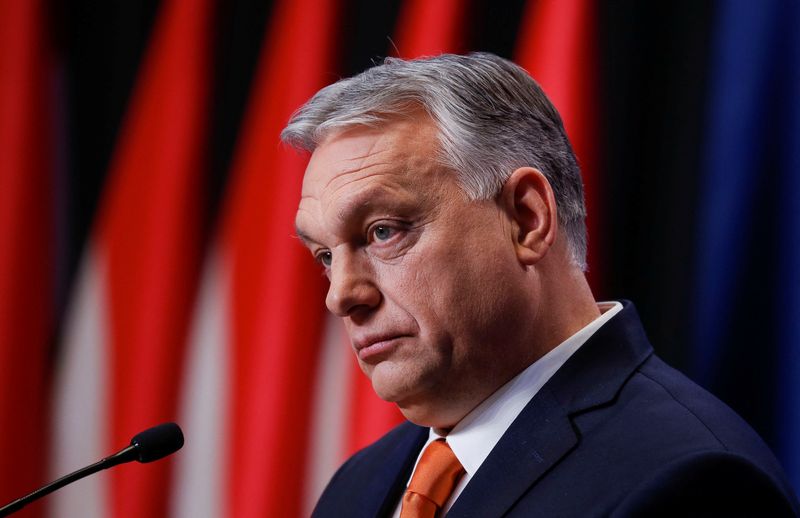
709,456
659,429
703,413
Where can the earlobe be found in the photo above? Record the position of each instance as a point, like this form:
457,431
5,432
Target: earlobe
530,202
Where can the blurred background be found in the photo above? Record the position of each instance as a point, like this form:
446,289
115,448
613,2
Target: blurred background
147,266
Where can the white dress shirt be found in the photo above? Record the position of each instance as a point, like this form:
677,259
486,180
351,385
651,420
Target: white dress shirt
474,437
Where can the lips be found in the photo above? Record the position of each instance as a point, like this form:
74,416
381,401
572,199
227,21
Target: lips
375,347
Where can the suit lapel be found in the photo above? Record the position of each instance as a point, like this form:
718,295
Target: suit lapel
534,442
543,433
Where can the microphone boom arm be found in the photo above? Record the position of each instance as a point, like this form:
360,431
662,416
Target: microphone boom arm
120,457
147,446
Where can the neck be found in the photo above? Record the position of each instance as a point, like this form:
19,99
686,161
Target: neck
567,307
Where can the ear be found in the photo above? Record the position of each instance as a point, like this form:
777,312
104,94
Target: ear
531,205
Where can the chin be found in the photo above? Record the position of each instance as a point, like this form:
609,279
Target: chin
427,415
398,381
419,406
388,390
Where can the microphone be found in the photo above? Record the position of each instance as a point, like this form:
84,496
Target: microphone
152,444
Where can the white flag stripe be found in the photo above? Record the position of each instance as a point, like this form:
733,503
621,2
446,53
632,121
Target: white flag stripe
200,468
327,435
80,415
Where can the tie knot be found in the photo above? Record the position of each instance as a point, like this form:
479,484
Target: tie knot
437,473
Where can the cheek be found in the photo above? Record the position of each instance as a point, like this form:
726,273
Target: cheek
487,292
456,289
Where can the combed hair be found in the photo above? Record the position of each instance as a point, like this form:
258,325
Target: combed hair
492,119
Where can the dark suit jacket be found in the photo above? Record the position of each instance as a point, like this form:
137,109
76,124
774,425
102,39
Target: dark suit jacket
615,432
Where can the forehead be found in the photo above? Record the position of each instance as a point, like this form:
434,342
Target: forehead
400,150
364,170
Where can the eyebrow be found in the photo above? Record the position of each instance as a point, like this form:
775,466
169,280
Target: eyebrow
305,238
356,207
362,203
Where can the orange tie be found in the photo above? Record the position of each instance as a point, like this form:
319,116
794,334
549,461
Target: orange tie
437,474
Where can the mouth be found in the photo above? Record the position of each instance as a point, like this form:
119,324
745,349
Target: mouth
376,348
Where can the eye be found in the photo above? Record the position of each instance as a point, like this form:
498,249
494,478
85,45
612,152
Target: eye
324,258
383,232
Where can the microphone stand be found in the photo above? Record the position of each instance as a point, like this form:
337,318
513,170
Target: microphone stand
126,455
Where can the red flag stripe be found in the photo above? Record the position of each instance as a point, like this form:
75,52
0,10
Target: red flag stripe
556,47
276,311
430,27
149,231
26,238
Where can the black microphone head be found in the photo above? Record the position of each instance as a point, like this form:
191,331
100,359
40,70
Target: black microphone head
157,442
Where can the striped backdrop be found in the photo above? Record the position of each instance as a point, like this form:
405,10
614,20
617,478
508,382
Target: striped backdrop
148,270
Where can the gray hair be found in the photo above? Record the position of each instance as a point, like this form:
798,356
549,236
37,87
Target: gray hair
492,117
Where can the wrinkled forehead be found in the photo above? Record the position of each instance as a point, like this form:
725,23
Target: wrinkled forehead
357,152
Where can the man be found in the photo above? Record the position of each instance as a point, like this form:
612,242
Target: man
444,202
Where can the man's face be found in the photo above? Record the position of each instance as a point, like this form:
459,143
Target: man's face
426,280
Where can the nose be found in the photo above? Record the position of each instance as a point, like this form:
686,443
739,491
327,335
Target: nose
352,288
